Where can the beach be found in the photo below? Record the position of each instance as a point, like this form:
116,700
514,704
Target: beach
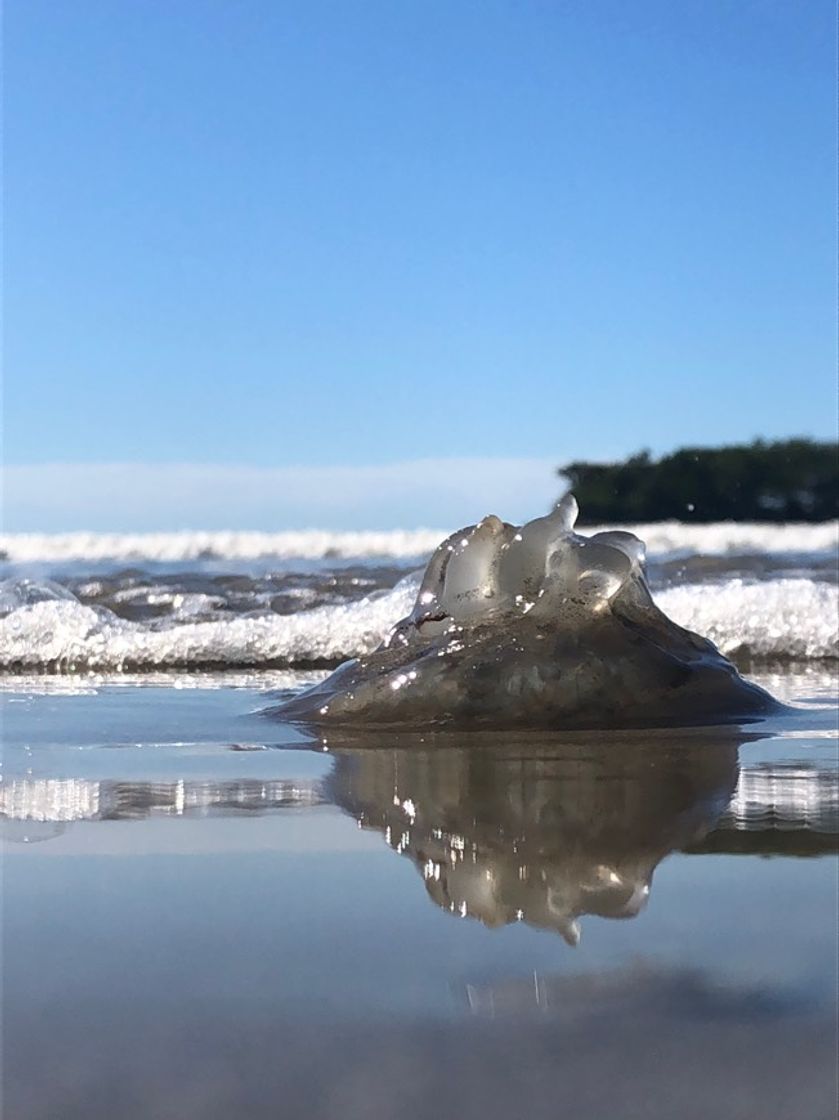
208,911
419,562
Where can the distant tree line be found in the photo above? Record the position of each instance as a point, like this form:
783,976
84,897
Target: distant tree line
790,480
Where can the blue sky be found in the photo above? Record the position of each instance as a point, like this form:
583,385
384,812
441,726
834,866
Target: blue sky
346,235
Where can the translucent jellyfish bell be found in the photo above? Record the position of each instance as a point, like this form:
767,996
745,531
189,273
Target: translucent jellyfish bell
604,569
471,575
429,616
523,564
628,543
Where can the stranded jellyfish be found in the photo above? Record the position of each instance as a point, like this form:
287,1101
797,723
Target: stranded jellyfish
534,626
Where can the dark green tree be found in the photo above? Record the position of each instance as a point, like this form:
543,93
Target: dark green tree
789,480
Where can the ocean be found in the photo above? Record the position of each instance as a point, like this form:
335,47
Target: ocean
208,912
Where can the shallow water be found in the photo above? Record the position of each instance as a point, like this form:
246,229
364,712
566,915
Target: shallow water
209,914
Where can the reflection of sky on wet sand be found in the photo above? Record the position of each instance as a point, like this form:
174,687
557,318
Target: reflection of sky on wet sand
209,942
673,1046
196,983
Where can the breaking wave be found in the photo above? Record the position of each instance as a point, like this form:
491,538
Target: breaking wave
29,548
53,630
663,539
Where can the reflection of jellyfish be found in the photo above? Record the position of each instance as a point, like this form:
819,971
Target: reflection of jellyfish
535,626
536,831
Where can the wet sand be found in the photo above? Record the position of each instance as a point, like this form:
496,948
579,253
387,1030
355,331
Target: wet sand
206,914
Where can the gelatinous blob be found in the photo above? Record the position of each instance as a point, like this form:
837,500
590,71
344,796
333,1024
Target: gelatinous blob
462,580
535,627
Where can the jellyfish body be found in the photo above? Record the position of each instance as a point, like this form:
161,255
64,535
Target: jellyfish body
536,626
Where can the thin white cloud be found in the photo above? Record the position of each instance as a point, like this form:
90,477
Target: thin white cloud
124,497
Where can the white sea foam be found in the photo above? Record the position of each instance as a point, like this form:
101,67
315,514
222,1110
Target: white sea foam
90,682
793,618
314,544
71,636
789,618
665,538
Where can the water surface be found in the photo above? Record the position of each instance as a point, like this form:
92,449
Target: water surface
207,914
